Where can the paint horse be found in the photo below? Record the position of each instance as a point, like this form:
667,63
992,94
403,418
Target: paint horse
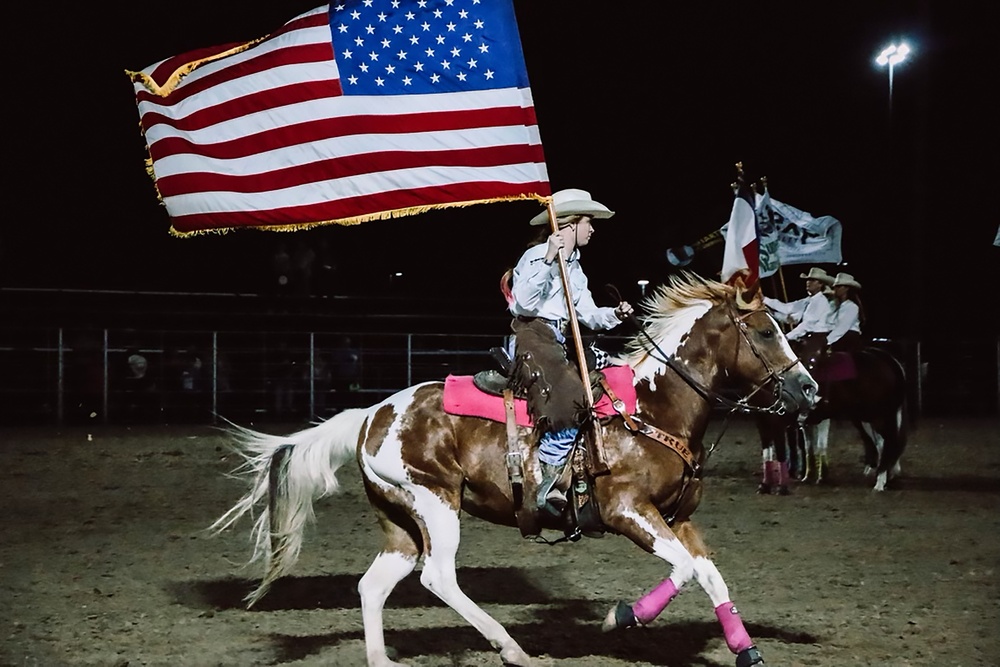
867,388
423,467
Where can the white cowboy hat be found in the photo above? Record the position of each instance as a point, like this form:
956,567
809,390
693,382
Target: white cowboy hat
846,279
573,202
816,273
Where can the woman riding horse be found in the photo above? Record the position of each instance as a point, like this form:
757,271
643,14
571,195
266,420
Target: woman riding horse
423,467
556,396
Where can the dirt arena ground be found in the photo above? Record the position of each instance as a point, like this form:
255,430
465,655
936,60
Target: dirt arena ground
104,561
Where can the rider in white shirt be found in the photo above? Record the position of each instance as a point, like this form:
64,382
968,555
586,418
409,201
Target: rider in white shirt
556,395
813,316
846,333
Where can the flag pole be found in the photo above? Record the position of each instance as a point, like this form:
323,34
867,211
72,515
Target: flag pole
599,463
784,289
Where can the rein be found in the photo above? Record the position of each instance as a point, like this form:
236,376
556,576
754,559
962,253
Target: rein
741,405
636,425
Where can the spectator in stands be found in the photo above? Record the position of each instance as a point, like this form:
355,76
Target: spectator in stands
191,384
285,380
281,270
85,378
322,384
346,362
326,275
303,259
140,391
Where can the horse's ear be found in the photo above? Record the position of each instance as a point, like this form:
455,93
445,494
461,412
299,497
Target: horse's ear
748,298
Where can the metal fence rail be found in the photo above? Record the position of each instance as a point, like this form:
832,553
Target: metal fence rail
75,376
72,375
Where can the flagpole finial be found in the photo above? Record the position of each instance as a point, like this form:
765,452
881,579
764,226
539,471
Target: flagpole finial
739,177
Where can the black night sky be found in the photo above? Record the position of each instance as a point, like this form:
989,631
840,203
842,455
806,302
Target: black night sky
647,105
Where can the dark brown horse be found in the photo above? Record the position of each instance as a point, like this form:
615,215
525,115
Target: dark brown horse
423,467
867,388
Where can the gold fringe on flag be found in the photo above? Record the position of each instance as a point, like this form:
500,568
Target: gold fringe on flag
357,220
174,79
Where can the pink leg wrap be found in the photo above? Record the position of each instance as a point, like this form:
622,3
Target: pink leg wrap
653,603
732,626
783,473
775,472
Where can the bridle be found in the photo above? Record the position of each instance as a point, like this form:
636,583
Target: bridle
773,376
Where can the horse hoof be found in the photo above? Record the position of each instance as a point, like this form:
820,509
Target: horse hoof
515,657
764,490
749,656
783,491
621,616
387,662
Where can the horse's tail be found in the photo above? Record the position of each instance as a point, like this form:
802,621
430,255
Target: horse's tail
286,474
904,401
900,396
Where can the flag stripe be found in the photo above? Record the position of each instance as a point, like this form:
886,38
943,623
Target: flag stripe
393,204
268,134
237,87
399,180
309,28
337,168
362,127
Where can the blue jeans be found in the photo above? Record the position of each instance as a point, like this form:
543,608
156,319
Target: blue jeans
554,448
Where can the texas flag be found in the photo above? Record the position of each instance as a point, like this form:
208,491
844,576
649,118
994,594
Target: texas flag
742,253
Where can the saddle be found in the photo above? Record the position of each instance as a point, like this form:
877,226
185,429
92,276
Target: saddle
482,395
835,367
494,383
486,395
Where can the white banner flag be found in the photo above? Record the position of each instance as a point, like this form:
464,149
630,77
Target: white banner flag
786,235
767,235
804,239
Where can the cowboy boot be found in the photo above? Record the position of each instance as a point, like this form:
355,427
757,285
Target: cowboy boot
550,497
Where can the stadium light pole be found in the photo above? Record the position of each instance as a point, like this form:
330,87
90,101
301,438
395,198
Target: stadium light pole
892,55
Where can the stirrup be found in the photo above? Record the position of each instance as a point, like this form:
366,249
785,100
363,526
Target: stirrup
550,497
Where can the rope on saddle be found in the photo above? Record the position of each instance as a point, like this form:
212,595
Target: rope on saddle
526,520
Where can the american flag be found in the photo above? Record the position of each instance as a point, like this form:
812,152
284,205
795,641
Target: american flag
355,111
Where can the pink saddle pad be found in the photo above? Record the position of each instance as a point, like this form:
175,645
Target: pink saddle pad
838,366
462,397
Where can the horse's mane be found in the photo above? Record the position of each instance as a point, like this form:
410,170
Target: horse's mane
667,310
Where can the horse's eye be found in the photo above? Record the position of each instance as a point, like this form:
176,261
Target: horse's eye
767,333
